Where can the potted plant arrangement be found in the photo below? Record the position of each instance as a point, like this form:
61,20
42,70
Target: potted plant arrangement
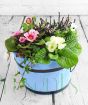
45,52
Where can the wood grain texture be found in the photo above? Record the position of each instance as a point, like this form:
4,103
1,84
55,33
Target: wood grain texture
43,7
8,24
3,62
21,96
84,24
12,96
83,77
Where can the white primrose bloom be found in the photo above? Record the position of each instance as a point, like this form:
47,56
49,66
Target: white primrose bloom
53,39
51,46
61,46
55,42
61,43
60,40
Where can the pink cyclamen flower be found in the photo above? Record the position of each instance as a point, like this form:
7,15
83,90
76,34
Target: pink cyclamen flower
22,39
31,35
17,33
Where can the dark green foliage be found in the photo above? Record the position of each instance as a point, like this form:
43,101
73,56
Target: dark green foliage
11,44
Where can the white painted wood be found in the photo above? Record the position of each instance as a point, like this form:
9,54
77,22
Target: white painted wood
32,99
83,77
3,34
84,20
79,77
43,7
3,63
8,24
11,96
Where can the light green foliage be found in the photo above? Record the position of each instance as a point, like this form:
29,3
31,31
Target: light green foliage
41,42
66,58
22,82
27,27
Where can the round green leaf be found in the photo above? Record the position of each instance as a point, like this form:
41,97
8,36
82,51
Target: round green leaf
67,58
11,44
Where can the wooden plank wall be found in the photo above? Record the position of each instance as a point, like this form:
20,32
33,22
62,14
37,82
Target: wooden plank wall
43,7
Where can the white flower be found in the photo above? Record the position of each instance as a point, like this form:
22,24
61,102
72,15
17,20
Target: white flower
60,40
53,38
61,46
55,42
51,46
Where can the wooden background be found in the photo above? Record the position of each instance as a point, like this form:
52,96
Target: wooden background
43,7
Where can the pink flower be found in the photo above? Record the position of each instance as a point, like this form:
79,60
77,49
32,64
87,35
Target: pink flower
28,20
22,39
31,35
17,33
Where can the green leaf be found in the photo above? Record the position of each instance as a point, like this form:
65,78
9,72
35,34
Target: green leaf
57,33
34,18
27,68
30,26
25,27
24,61
41,42
67,58
17,73
41,57
53,57
61,33
26,53
47,39
23,46
11,44
22,82
44,61
73,45
76,49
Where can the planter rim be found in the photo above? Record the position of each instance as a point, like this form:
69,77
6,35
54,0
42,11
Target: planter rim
41,71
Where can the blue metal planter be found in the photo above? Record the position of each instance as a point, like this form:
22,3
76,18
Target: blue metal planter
45,78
